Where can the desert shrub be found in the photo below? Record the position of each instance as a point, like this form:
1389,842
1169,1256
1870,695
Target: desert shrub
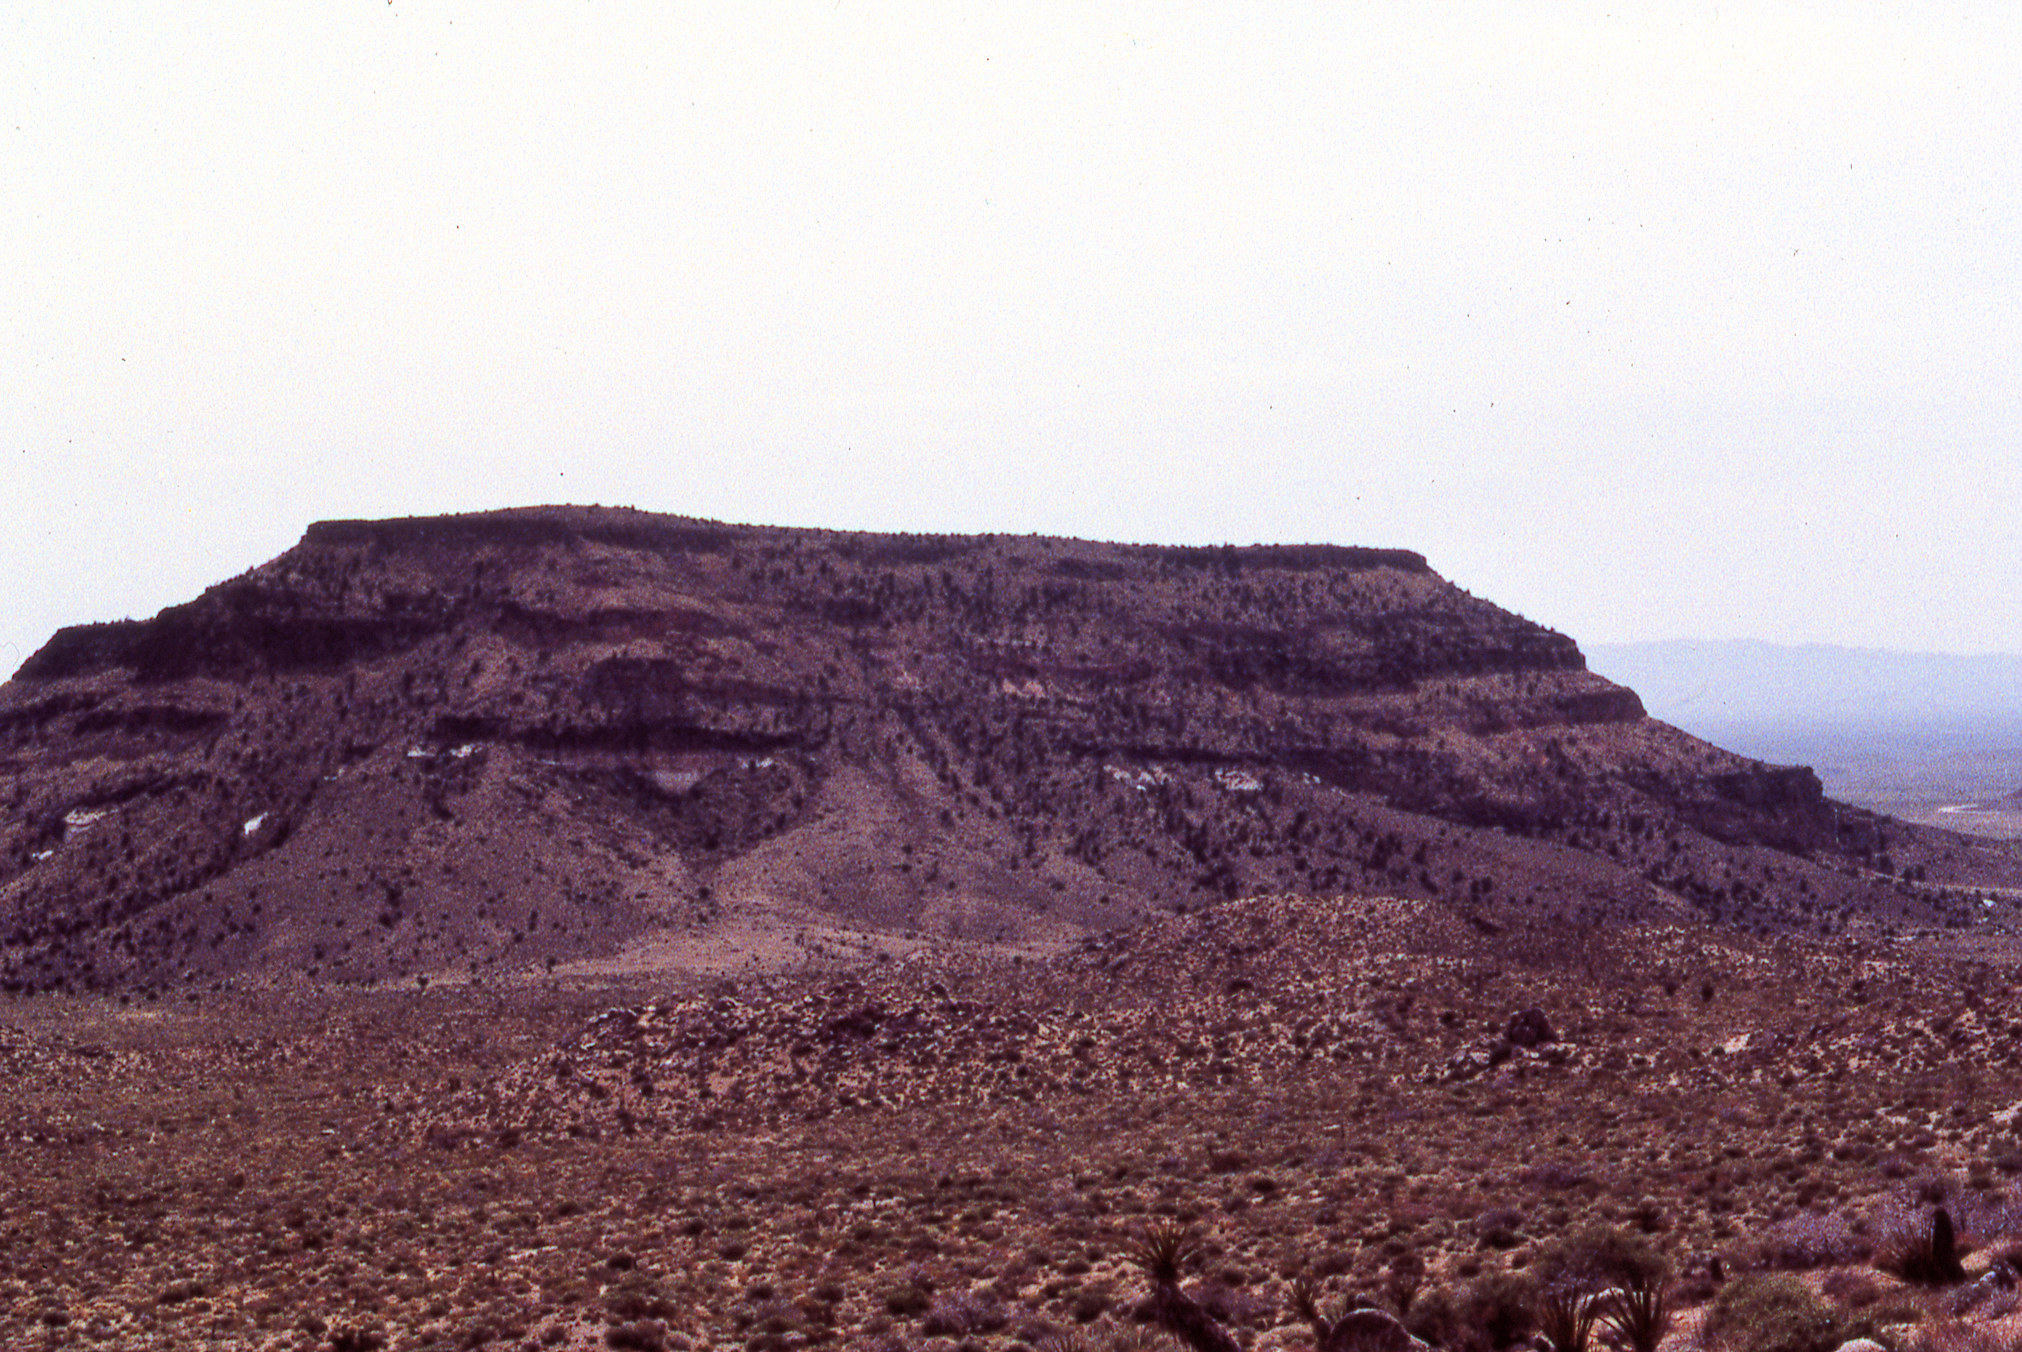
962,1313
638,1296
1490,1312
177,1292
1900,1308
357,1339
1954,1335
1697,1284
1814,1239
1137,1339
1089,1304
1855,1290
1402,1283
1775,1312
1108,1338
1596,1257
1923,1254
1500,1229
1233,1304
772,1315
1933,1188
1434,1316
908,1299
643,1336
1987,1216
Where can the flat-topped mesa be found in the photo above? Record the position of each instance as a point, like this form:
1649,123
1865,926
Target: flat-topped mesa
535,734
630,529
354,591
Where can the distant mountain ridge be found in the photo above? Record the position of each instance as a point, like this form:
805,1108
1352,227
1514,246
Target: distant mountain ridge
1748,690
1924,737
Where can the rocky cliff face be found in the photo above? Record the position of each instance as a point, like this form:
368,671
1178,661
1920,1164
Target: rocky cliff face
540,737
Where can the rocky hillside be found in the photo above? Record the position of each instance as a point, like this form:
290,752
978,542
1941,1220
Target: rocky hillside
952,1152
563,736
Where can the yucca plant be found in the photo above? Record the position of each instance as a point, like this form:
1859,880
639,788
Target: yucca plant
1306,1304
1926,1257
1565,1317
1638,1314
1162,1249
1621,1280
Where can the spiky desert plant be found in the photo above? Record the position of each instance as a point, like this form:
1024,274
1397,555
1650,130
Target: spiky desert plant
1403,1285
1306,1304
1926,1257
1162,1249
1135,1338
1067,1340
1565,1317
1129,1338
1638,1314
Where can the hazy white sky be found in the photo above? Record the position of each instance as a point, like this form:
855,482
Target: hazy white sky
1644,320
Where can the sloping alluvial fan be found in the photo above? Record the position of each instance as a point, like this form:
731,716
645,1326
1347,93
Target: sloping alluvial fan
505,741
